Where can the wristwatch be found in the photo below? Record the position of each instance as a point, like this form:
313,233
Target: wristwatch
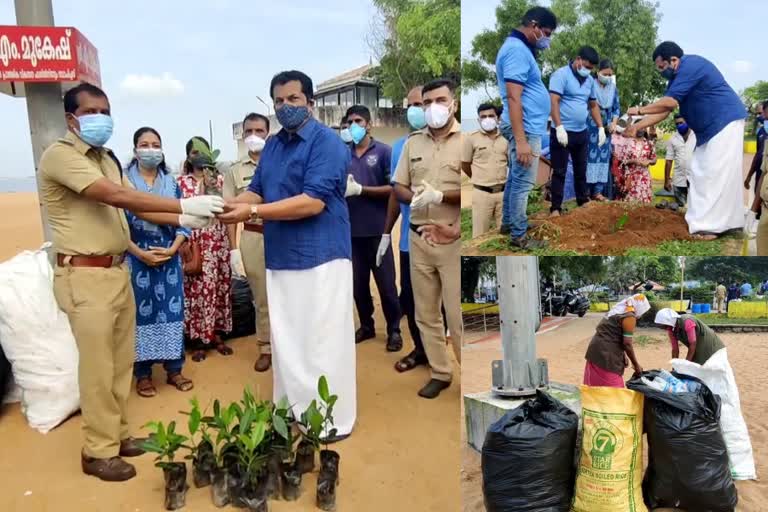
254,212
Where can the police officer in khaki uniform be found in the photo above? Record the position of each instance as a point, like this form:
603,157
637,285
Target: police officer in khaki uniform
428,177
484,160
84,191
249,257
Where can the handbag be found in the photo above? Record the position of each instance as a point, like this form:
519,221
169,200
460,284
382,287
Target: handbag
191,258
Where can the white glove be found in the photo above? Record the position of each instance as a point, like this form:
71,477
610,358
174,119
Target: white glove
562,135
353,187
236,262
750,225
194,222
601,138
428,195
202,206
386,241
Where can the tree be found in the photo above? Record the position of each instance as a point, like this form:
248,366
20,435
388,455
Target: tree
626,271
728,269
416,41
752,96
623,30
578,270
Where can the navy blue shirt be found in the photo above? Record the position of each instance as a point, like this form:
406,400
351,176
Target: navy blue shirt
575,94
312,161
368,214
761,136
405,208
516,63
706,100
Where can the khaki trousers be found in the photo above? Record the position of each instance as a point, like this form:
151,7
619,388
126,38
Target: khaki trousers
436,281
722,306
762,234
102,313
485,206
252,249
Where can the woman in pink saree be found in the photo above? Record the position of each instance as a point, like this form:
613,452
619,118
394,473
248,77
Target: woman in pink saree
611,349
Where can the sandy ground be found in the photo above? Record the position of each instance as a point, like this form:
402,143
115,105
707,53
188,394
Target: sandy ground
403,455
564,348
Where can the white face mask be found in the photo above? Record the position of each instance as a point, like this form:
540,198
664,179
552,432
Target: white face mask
254,143
488,124
438,115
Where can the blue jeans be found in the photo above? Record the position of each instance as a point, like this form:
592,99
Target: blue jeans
596,188
520,181
143,369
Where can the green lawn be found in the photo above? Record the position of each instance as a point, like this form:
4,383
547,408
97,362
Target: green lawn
722,319
466,224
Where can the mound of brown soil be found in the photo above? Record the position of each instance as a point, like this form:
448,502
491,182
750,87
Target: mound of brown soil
593,228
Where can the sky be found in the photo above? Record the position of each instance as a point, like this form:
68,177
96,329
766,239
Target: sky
737,50
174,65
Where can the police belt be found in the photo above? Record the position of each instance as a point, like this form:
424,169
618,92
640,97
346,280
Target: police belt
67,260
254,228
491,190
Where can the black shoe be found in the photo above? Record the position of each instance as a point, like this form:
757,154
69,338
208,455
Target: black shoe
433,388
504,229
394,342
526,243
363,334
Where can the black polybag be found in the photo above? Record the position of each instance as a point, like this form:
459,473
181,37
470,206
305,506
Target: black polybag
687,458
243,312
528,456
5,375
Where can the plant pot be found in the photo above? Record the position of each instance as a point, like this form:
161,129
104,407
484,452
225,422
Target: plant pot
175,474
219,487
257,500
305,457
272,478
236,486
328,480
202,465
291,479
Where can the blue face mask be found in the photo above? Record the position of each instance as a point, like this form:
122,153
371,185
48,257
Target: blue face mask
95,129
543,42
149,158
357,132
291,116
682,128
416,117
345,135
668,73
584,72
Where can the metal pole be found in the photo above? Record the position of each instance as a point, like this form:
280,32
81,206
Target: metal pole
682,280
45,105
520,373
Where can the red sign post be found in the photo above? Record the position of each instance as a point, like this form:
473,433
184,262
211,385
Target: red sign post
46,54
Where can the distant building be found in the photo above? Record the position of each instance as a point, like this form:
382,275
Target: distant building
334,96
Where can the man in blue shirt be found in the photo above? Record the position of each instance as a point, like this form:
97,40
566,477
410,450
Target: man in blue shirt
368,191
298,191
524,119
572,90
417,357
716,114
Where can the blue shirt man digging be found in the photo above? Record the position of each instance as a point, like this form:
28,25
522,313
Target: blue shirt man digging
298,191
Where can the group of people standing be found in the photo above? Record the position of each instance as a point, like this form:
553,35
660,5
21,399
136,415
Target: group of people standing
610,154
145,261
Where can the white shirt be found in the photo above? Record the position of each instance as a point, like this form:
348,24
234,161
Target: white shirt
680,151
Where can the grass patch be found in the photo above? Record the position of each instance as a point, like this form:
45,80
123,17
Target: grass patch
466,224
722,319
644,340
535,201
679,248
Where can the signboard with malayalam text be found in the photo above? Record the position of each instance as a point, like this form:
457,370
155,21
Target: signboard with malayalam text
45,54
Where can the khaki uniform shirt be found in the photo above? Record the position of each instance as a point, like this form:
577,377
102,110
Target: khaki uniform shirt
487,152
721,291
438,162
238,177
80,226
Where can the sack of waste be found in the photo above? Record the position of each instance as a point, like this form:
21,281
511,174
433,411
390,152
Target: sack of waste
609,476
37,340
717,374
527,458
687,459
665,381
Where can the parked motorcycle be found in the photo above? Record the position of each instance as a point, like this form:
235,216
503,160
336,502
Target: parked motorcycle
551,303
575,303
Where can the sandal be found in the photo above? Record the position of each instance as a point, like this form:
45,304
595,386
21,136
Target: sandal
704,236
145,388
410,362
600,198
179,381
224,350
198,355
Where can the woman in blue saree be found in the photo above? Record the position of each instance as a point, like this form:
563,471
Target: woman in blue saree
599,158
156,272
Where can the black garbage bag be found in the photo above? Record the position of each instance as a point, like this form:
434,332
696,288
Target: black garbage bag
527,458
5,375
687,458
243,312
